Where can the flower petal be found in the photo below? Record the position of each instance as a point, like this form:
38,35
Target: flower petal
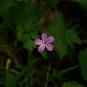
49,47
41,48
50,39
44,36
38,42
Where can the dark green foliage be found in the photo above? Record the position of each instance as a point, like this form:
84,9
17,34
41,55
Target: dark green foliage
70,84
21,21
83,63
28,32
64,37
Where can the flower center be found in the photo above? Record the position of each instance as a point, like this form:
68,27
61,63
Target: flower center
44,42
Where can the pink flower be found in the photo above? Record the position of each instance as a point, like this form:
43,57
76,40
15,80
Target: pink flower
45,42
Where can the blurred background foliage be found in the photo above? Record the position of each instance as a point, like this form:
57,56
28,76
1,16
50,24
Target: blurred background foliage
23,21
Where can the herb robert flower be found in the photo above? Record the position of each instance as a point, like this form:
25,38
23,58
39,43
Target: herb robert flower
45,42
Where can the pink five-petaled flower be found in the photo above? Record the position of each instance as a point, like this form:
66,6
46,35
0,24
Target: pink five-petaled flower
45,42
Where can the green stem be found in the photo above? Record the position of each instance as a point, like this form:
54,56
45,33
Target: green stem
29,70
47,75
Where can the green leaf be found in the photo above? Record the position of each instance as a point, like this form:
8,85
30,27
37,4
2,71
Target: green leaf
31,14
29,44
70,84
53,3
62,47
36,26
23,81
72,37
19,31
84,41
80,1
63,71
83,4
74,27
83,63
55,74
5,5
59,24
25,37
11,82
63,37
26,33
19,10
66,70
58,30
21,36
34,35
44,54
29,23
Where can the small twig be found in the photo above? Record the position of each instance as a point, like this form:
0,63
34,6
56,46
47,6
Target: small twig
48,74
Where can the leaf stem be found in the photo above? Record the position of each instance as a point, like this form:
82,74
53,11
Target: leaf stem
48,74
